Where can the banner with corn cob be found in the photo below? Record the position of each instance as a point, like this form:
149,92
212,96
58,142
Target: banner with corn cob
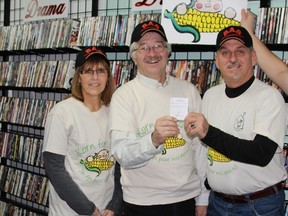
202,22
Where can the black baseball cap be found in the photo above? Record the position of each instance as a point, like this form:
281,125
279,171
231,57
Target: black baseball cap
234,32
85,53
147,26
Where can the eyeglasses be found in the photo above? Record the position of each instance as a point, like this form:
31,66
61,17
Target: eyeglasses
145,49
99,72
237,53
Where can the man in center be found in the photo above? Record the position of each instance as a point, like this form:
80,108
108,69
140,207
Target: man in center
163,170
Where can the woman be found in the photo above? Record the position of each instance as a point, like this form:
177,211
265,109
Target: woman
76,147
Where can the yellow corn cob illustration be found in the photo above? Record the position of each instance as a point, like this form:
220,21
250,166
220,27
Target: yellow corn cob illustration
173,142
216,156
204,21
101,164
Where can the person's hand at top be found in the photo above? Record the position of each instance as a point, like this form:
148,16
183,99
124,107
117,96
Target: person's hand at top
248,20
271,64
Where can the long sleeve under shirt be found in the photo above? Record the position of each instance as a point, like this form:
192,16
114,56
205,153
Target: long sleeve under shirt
257,152
75,198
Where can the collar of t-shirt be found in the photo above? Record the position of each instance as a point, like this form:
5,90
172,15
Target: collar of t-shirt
152,82
235,92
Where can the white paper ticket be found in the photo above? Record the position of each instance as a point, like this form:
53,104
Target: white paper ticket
179,107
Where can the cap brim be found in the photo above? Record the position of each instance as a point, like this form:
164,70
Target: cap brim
229,38
153,30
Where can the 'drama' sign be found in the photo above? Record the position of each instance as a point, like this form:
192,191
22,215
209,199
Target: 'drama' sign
45,9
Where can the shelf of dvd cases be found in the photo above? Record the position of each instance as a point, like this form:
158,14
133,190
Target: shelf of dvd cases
37,75
272,27
58,36
113,34
23,184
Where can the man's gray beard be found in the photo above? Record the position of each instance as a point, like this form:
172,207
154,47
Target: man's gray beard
235,76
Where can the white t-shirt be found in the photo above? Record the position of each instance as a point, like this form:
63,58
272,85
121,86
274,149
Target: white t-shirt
153,177
259,110
82,137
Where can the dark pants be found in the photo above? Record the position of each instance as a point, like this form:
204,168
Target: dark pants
184,208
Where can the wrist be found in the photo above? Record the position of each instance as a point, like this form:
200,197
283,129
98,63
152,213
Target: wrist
154,141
